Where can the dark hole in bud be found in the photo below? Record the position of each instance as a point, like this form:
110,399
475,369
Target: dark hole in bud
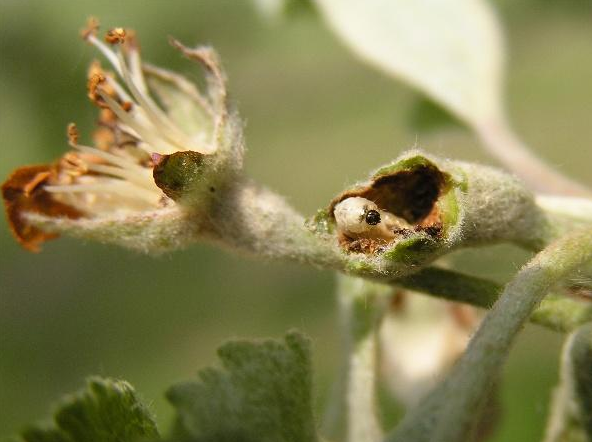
408,194
372,217
411,194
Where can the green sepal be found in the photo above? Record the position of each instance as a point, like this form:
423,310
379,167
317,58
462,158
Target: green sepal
414,250
179,174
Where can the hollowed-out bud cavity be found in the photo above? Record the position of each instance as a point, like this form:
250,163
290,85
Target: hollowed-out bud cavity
419,207
403,211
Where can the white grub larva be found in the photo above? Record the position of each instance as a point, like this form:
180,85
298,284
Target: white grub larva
358,217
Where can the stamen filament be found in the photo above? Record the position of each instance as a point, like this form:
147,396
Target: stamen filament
106,51
123,188
144,180
145,133
114,159
135,63
119,89
154,113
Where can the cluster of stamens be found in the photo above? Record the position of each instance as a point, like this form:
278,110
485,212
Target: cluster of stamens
116,174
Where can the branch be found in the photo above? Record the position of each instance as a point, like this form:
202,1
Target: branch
441,206
448,205
351,415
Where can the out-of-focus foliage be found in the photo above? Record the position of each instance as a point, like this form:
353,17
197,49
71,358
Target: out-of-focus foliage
107,410
451,51
263,393
80,309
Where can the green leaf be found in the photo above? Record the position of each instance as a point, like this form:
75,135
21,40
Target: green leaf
275,10
450,51
106,411
262,393
453,53
426,115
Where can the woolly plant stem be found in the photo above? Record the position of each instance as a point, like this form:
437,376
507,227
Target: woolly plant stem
255,220
450,412
556,312
570,419
469,205
250,218
573,208
351,415
247,217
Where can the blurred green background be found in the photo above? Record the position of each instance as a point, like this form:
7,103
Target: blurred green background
317,119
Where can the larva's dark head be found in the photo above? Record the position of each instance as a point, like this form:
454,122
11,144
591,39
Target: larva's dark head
372,217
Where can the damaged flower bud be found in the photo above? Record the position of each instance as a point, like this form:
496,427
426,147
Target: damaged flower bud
410,197
149,119
419,207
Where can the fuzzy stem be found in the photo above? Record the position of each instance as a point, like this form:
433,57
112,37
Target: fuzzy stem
449,413
490,207
576,209
557,312
501,141
470,205
571,411
250,218
351,415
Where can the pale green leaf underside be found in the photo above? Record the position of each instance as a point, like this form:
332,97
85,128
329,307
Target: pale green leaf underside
450,50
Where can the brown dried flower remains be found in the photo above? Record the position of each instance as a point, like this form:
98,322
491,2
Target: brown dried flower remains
26,189
113,176
23,193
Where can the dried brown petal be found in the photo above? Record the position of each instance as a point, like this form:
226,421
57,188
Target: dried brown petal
23,192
